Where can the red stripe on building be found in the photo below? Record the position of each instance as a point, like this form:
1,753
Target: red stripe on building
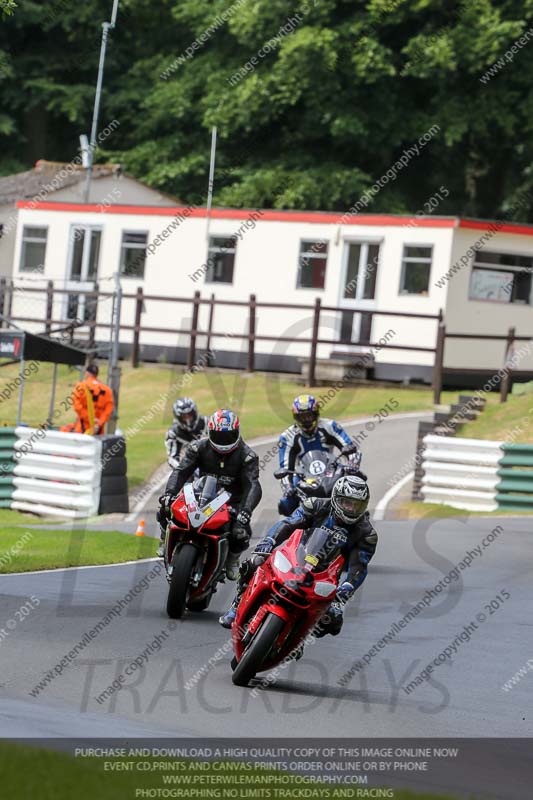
323,217
503,227
317,217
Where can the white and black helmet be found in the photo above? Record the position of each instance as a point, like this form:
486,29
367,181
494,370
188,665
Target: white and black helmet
349,498
185,413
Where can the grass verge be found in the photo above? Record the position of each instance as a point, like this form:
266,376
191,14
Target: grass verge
23,549
511,421
36,774
263,401
413,509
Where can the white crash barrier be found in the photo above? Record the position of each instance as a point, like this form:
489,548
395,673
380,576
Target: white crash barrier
461,451
462,473
57,473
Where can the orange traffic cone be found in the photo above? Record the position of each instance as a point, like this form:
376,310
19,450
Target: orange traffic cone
140,528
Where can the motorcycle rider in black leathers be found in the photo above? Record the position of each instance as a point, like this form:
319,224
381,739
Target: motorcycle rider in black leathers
187,426
225,455
345,510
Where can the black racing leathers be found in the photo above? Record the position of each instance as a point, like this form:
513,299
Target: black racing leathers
177,439
237,472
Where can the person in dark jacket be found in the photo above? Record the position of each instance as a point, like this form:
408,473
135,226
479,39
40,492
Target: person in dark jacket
345,510
225,455
187,426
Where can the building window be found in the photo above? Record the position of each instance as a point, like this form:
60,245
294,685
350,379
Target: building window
416,267
361,271
84,253
33,249
133,254
221,259
502,278
312,265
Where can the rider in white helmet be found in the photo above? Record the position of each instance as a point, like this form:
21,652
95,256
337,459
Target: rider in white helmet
347,509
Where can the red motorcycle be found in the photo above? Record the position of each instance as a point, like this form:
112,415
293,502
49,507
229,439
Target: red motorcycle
285,599
196,545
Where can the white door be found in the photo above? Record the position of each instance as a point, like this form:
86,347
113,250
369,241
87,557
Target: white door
82,270
358,291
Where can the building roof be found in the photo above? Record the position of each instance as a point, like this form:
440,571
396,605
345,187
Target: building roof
47,177
272,215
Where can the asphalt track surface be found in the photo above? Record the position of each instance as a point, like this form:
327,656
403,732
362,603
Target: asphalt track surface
463,696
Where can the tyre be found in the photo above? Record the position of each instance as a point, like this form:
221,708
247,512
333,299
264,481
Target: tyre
113,504
200,605
114,484
183,561
114,466
257,651
114,445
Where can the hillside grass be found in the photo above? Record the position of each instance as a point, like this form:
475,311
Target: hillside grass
415,509
262,400
511,421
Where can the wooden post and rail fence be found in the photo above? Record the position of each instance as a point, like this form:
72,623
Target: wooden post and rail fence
251,306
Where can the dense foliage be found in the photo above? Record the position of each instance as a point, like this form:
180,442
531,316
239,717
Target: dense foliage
347,86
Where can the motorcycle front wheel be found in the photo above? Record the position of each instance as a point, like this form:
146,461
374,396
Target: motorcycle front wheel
183,561
257,651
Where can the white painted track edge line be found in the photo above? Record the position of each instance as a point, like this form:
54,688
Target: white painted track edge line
381,507
85,566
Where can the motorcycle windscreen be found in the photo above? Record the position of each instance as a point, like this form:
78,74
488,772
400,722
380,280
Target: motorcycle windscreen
320,547
314,464
205,489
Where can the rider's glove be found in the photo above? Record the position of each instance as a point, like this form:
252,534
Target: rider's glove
286,483
335,610
243,518
166,500
350,450
265,546
240,533
345,592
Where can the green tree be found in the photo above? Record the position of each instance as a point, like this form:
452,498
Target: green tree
313,100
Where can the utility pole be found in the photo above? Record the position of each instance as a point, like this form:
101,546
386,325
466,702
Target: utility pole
106,27
211,182
113,369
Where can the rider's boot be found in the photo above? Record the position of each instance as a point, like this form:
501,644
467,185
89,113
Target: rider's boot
232,566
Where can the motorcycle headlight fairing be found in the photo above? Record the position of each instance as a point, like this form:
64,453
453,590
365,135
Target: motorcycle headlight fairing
281,562
324,588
